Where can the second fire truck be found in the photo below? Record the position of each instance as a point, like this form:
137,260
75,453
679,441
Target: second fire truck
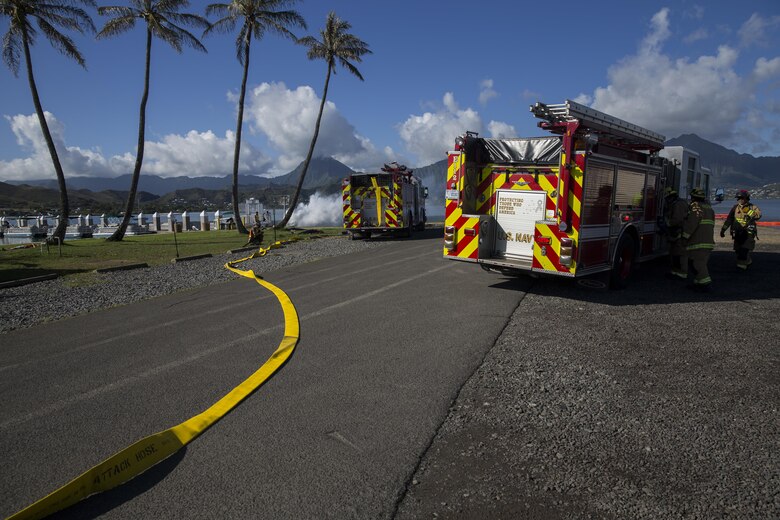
391,202
583,200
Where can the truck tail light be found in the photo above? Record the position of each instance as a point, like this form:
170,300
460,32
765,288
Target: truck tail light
543,241
470,232
449,237
565,254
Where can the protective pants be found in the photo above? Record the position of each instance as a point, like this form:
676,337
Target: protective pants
699,259
743,245
678,257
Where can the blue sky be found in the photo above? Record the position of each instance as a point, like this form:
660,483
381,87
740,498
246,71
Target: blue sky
438,68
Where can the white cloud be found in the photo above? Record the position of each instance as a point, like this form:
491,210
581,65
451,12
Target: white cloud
499,129
659,24
199,154
287,117
753,31
431,134
696,12
195,154
705,95
697,35
321,210
74,160
486,92
766,69
530,95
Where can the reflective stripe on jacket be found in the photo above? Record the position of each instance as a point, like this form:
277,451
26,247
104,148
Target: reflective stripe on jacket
699,226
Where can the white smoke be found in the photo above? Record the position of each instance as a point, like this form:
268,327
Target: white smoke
321,210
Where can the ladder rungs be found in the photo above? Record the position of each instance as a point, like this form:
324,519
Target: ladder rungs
571,110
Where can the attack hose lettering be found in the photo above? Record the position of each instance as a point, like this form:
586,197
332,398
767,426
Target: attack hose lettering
145,453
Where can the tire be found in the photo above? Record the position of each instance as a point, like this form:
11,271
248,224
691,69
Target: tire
624,263
409,227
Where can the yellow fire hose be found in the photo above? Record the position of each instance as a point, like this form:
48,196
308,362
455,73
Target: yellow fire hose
145,453
378,195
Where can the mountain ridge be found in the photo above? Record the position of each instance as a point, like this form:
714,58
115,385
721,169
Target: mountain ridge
730,170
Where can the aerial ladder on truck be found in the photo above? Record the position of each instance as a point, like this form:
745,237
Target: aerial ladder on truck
582,200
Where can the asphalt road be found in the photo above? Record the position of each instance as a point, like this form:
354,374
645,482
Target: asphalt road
653,402
388,338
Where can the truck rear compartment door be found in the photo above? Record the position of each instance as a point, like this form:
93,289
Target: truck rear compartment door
516,214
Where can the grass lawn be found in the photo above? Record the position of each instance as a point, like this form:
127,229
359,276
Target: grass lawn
77,257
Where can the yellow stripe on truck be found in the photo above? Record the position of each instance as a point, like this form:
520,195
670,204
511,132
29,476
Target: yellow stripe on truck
145,453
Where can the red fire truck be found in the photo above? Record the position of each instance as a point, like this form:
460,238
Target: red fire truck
380,203
583,200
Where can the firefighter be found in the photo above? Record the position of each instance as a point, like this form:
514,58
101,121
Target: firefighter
742,221
698,231
675,210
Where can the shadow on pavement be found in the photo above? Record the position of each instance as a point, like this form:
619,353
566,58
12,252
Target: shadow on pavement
426,234
650,286
101,503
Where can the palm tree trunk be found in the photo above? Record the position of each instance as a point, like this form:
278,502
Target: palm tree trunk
62,225
298,188
237,151
119,234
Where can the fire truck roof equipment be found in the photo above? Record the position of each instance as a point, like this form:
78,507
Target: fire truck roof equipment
603,125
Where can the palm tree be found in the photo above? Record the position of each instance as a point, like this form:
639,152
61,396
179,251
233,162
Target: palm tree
257,18
336,46
21,36
161,17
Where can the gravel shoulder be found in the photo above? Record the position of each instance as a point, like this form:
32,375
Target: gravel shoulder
652,402
28,305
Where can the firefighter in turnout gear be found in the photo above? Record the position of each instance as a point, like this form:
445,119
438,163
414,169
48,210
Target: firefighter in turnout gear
675,210
742,221
698,233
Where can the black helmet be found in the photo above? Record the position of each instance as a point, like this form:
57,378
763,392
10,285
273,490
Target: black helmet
743,194
698,193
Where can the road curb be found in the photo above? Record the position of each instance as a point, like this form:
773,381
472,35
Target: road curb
121,268
25,281
242,250
193,257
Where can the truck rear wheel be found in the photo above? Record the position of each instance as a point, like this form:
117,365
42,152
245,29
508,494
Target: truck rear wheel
624,264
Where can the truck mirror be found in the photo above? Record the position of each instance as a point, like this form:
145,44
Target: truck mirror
719,194
425,192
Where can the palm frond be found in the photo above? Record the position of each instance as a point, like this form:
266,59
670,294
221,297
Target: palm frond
117,26
73,18
337,46
61,42
119,10
12,51
191,40
241,43
259,17
218,9
167,35
223,25
168,6
193,20
161,19
347,65
51,15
